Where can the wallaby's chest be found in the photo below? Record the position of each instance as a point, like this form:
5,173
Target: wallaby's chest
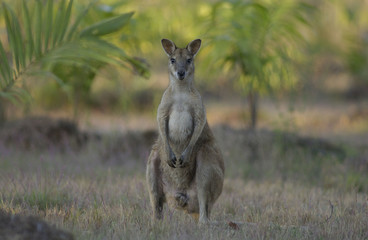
180,120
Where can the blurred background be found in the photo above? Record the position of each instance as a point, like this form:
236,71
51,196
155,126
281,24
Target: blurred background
293,69
288,65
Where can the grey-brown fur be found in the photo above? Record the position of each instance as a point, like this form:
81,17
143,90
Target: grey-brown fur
185,167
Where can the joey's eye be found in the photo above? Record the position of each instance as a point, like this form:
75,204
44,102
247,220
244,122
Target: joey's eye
172,60
189,60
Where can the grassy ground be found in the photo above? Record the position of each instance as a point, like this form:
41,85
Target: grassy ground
278,186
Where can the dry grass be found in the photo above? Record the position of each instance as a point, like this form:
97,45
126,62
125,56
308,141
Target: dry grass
291,191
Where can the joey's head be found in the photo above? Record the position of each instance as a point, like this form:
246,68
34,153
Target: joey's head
181,64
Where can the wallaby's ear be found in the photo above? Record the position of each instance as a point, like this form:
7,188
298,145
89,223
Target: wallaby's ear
169,46
194,46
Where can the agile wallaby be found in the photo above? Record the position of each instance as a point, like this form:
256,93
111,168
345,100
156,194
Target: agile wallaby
185,167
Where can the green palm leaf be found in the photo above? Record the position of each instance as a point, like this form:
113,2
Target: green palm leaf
107,26
38,29
12,36
65,22
49,21
79,18
28,30
37,43
4,68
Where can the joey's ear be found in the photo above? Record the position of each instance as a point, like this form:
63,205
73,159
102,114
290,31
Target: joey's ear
194,46
169,46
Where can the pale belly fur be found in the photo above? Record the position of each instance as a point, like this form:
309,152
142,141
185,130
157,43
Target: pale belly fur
180,125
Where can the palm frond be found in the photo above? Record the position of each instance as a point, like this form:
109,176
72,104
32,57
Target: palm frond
38,29
48,26
79,18
107,26
28,31
5,68
46,39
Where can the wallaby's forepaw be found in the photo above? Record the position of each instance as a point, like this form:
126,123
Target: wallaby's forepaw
172,160
182,199
183,160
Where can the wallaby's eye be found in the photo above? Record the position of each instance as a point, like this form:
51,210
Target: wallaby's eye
172,60
189,60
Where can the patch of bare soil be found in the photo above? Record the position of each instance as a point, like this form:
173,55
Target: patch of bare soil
42,133
252,140
132,144
28,228
137,144
45,134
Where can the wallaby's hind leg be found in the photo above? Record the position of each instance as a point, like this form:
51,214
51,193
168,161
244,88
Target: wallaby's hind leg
154,182
209,179
193,207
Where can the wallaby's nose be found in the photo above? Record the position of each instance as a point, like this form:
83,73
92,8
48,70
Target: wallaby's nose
181,75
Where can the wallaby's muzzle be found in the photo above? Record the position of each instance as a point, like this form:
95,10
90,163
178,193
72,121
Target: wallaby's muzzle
181,75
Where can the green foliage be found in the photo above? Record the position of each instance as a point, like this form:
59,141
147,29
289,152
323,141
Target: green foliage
356,61
355,53
44,41
107,26
258,41
165,19
340,34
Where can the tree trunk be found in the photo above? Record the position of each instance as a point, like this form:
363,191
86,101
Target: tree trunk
76,103
253,108
2,114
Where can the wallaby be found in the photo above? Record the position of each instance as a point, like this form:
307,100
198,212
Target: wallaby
185,167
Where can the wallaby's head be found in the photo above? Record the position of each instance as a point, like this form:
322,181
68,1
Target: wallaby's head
181,59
